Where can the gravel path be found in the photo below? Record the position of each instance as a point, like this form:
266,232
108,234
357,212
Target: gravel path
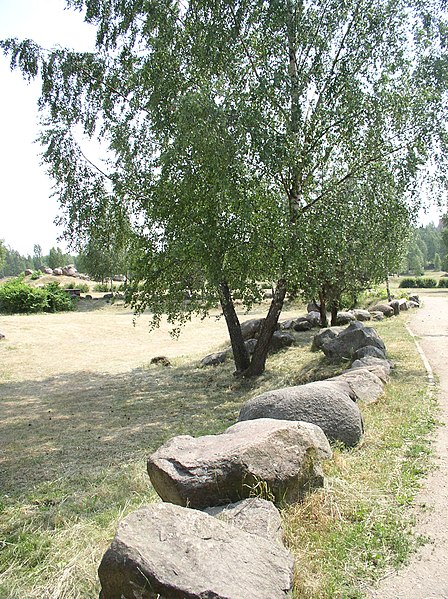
426,577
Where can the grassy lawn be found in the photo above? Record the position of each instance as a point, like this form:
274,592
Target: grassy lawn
81,408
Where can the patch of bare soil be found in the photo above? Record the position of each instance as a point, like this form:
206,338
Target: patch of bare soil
426,577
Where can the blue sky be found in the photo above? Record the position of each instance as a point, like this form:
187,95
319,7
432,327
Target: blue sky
27,210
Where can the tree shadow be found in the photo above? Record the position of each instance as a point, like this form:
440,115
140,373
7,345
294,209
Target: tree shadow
75,424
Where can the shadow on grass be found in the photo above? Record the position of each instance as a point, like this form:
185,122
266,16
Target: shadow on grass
74,425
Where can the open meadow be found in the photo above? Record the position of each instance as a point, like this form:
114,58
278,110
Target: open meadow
81,408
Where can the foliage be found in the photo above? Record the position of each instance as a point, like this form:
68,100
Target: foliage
353,245
36,275
15,263
57,299
421,282
83,287
17,297
2,254
57,259
443,283
226,124
425,245
37,257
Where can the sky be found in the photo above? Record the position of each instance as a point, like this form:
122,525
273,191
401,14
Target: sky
27,208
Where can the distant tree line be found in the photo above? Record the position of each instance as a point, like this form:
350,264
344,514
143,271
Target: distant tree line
102,258
12,263
427,249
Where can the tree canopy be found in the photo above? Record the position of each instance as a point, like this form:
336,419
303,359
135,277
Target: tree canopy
230,124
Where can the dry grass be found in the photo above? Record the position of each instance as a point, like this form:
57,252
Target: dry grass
81,409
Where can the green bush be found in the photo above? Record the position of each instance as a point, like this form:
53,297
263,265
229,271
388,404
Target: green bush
421,282
104,287
36,275
83,287
57,299
443,282
17,297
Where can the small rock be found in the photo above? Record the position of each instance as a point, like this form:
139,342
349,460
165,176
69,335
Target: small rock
395,305
215,359
161,361
355,336
322,338
251,328
411,304
378,366
314,318
281,340
369,350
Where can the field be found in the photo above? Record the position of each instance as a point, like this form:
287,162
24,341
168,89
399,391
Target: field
81,408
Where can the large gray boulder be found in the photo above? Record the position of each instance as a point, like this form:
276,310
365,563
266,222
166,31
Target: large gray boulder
281,456
362,315
171,552
366,387
251,328
378,366
355,336
323,403
303,324
281,340
395,305
344,317
254,515
369,350
322,338
385,309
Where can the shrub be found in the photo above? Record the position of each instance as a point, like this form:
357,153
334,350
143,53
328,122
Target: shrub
57,299
19,297
443,282
36,275
83,287
421,282
104,287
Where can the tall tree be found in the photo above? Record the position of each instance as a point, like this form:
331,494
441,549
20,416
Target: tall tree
352,245
227,123
2,254
37,257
